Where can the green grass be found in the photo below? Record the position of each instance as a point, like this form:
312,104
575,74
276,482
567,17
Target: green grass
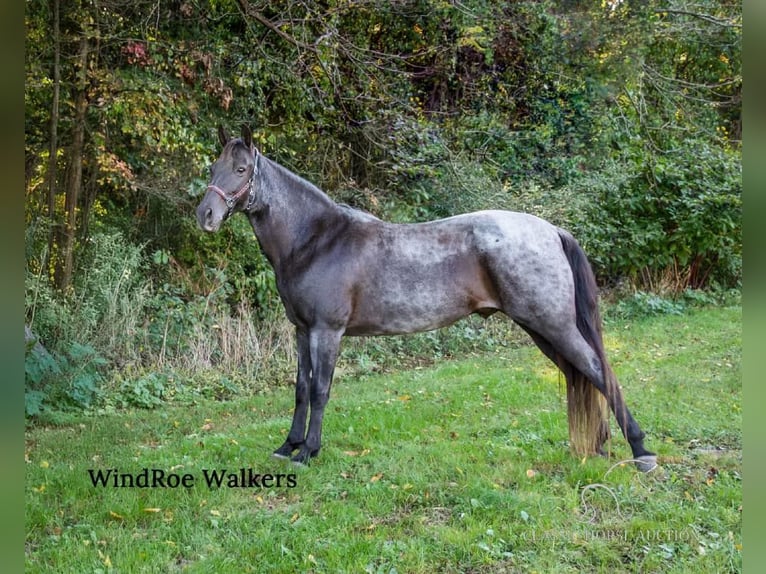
457,467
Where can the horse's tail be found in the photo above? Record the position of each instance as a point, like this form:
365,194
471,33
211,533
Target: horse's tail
587,407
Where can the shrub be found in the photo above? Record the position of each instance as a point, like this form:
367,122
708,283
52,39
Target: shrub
62,381
666,222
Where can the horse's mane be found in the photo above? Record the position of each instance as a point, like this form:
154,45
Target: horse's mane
358,213
303,185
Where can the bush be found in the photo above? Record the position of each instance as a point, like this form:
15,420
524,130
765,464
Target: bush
94,325
104,306
62,381
472,164
665,222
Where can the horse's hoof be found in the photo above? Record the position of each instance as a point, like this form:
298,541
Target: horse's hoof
646,463
300,461
279,456
304,456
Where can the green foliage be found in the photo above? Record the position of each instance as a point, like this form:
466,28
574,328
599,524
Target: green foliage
39,365
104,306
643,304
143,392
84,362
111,271
674,219
63,381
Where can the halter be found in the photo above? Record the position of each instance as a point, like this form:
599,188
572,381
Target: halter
232,200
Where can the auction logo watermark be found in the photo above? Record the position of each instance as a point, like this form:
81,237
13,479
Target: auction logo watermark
662,535
212,478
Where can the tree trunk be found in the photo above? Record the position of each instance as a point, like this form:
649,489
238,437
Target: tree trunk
74,173
53,147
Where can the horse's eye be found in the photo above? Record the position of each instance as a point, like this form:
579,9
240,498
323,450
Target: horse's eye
240,170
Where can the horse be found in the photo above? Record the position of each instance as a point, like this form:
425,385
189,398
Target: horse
343,272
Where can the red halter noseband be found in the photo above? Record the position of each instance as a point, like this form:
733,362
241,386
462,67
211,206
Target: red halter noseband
231,200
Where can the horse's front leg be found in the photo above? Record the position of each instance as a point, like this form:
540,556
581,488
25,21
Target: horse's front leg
323,346
302,386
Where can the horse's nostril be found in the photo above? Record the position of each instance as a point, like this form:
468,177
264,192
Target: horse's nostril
205,218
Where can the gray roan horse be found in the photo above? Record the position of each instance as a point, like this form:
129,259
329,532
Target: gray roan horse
340,271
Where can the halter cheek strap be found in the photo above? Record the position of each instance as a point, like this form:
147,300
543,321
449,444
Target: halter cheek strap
231,200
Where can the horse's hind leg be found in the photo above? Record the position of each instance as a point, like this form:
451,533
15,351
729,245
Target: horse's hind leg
574,349
577,351
570,373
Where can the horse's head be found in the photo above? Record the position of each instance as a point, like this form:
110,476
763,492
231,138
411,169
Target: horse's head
232,185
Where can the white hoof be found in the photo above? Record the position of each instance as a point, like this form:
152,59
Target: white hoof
646,463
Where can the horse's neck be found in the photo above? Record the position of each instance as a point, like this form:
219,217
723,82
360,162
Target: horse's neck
293,209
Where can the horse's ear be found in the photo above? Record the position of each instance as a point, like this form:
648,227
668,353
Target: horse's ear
247,135
223,137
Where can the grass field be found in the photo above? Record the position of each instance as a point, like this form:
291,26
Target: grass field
462,466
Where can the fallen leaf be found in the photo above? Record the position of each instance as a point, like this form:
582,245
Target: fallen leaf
357,453
531,473
115,515
152,509
376,477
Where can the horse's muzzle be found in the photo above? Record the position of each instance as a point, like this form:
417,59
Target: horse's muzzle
207,218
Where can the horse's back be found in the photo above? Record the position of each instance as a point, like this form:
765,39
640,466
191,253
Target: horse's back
510,236
412,277
523,257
